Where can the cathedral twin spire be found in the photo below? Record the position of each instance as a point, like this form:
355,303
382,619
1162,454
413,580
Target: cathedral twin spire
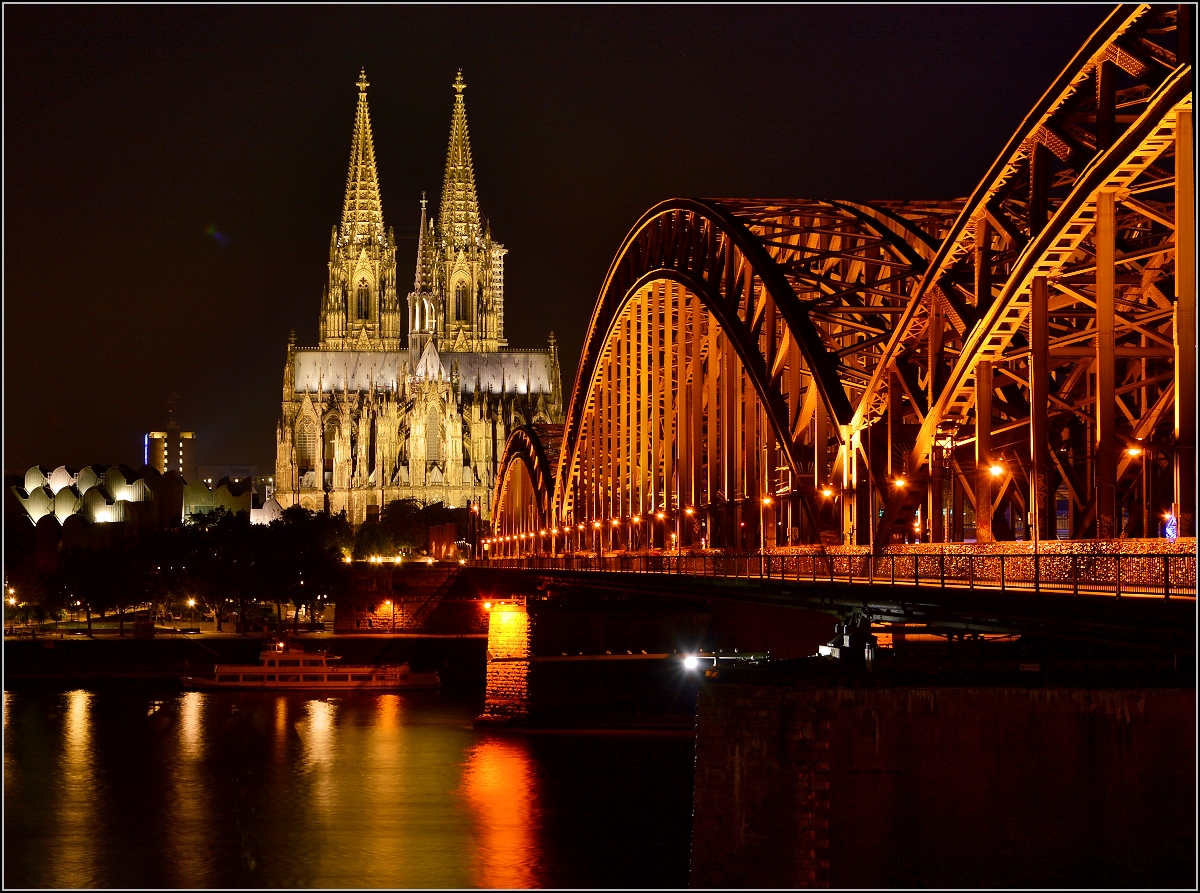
459,217
362,213
459,278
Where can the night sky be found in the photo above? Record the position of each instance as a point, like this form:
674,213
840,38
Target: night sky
171,174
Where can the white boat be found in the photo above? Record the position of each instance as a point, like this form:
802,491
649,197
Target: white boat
281,668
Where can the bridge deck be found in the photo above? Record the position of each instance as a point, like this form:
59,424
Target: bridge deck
1157,575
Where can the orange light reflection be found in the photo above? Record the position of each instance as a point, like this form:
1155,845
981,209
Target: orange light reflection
501,790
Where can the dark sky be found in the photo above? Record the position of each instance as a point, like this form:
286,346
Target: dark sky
171,174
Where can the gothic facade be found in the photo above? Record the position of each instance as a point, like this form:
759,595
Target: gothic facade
372,414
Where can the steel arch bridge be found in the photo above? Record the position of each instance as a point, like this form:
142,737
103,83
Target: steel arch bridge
1017,363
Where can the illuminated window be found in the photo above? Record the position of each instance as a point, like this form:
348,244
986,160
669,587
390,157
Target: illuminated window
364,297
460,301
306,445
433,436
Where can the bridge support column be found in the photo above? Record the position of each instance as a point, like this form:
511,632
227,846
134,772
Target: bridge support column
1184,507
937,530
1041,499
1106,399
983,452
508,653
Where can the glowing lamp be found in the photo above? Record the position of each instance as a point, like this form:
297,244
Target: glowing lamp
826,492
596,524
690,510
616,522
1134,451
766,500
996,471
691,662
660,516
901,483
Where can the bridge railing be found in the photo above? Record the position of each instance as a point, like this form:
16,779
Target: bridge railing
1165,575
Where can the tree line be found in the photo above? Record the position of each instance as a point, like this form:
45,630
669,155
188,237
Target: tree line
229,566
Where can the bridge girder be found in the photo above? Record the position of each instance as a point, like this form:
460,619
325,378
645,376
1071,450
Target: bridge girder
852,348
1061,273
756,320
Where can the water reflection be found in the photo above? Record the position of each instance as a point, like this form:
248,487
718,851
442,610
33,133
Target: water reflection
187,819
255,789
500,786
74,866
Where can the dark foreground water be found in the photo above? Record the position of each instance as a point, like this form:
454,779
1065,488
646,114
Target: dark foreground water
138,787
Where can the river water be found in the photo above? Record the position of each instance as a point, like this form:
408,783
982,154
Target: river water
135,786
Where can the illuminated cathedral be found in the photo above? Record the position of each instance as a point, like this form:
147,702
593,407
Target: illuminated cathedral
372,414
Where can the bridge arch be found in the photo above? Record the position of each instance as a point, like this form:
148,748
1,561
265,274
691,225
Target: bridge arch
939,370
726,354
1053,309
521,503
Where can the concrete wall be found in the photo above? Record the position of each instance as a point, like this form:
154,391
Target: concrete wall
800,786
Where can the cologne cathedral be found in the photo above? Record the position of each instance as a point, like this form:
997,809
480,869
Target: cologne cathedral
374,414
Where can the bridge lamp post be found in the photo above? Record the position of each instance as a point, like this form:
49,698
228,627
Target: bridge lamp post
599,542
691,513
542,542
579,542
660,517
633,531
762,525
616,522
553,540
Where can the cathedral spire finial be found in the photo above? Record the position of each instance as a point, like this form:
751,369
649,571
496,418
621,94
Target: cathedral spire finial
362,213
458,216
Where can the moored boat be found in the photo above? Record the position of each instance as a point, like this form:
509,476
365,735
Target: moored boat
281,668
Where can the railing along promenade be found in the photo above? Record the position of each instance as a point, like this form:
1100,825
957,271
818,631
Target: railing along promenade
1163,575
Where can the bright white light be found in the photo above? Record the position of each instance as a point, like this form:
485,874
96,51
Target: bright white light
691,662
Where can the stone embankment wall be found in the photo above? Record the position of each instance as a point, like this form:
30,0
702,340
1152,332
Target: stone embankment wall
873,785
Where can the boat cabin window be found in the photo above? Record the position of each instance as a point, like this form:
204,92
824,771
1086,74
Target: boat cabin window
252,678
224,677
314,678
312,663
336,678
289,678
270,678
289,663
361,678
268,663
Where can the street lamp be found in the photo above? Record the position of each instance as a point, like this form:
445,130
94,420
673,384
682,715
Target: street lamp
393,607
599,542
191,603
660,517
616,522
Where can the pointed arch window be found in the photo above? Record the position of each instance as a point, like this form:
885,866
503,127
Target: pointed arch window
460,301
306,445
364,299
433,435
